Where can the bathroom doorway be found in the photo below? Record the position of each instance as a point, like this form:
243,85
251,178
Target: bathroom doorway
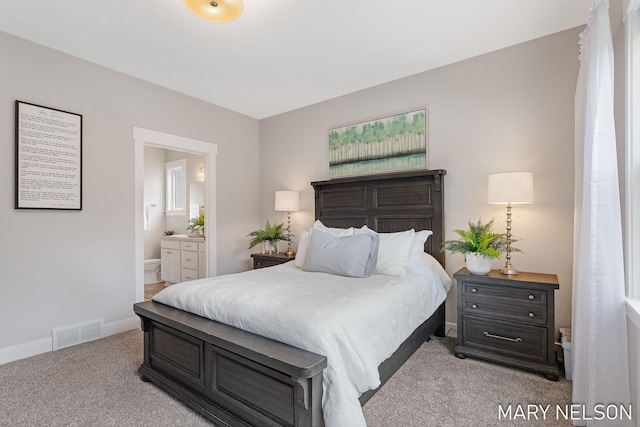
173,201
175,147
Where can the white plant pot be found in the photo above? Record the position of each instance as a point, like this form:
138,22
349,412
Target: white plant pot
478,264
270,247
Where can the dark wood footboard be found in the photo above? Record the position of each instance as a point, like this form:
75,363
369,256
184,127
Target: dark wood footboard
236,378
230,376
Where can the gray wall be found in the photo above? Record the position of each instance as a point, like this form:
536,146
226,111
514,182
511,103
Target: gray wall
154,193
64,267
510,110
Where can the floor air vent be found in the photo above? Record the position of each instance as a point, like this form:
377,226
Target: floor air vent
76,334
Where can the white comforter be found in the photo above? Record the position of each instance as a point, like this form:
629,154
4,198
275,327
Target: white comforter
356,323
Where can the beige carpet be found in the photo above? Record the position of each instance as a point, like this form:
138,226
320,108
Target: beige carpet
152,289
434,388
96,384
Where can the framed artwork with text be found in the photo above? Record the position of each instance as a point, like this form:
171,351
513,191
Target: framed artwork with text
48,158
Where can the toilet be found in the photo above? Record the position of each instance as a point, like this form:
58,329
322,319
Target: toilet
151,271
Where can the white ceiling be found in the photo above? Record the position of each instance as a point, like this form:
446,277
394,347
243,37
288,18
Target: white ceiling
283,54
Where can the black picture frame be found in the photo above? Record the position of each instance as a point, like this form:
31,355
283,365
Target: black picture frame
48,158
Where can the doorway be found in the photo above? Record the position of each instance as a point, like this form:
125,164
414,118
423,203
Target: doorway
145,137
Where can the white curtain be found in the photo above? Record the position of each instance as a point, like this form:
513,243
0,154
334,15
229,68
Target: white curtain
599,336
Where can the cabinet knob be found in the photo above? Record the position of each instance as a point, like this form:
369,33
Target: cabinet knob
474,306
474,290
532,296
532,315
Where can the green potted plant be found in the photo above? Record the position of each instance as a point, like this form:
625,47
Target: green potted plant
480,245
271,235
196,226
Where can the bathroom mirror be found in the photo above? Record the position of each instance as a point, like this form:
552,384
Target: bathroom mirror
196,199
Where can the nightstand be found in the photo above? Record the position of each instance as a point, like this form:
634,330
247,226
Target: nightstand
508,319
266,260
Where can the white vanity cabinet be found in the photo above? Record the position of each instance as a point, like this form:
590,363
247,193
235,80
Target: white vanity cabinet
169,261
189,260
182,258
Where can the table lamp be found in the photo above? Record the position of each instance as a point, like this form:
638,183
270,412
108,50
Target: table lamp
288,201
513,188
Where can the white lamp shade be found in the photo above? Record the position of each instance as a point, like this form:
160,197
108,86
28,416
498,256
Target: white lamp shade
513,187
287,200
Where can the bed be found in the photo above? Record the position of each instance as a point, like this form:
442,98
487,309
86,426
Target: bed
236,377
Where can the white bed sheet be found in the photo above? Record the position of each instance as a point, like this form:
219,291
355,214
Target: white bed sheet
357,323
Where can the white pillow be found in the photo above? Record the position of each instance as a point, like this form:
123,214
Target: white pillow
363,229
431,264
351,256
338,232
415,257
302,249
303,242
393,252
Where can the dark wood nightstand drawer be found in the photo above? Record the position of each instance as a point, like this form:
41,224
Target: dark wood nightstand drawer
528,295
528,342
508,319
505,309
265,260
260,263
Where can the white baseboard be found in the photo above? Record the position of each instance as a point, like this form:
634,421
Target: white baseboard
120,326
21,351
44,345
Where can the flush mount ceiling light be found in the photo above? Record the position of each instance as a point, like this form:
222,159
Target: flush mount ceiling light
216,11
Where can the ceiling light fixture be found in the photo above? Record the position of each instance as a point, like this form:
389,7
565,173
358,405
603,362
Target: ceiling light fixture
216,11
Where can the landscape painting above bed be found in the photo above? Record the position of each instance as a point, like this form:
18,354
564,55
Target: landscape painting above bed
387,144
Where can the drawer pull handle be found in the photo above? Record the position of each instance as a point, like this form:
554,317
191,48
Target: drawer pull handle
532,297
532,315
488,335
474,306
474,290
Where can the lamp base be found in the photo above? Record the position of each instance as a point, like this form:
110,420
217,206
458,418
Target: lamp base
508,270
290,253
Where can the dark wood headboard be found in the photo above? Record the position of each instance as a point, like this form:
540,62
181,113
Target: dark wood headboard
386,203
